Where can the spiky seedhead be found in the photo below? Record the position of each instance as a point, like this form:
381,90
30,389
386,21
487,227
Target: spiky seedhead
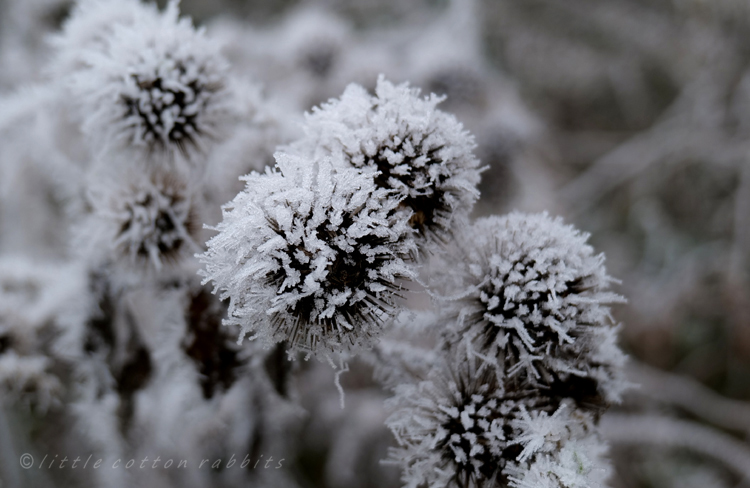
165,106
154,84
144,222
157,223
420,152
450,427
311,254
463,427
534,296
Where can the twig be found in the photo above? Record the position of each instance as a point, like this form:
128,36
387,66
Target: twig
663,431
693,397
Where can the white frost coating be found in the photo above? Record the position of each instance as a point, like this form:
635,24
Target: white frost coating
144,79
90,24
421,152
574,463
562,450
312,255
449,428
41,309
535,297
529,305
140,223
460,428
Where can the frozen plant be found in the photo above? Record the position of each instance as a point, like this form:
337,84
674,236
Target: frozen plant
328,252
461,427
420,152
527,361
450,427
311,254
534,302
142,223
146,80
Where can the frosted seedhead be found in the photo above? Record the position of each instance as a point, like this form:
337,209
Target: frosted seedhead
534,296
157,223
144,223
465,426
311,254
164,106
419,152
450,427
154,84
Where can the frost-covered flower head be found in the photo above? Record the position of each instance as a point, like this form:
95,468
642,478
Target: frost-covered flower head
534,296
450,427
154,84
420,152
462,427
312,255
145,222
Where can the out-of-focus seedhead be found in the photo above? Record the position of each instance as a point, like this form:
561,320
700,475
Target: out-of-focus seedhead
143,223
148,81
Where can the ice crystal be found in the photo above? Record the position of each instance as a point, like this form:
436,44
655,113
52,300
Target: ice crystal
534,297
312,255
149,80
562,450
419,151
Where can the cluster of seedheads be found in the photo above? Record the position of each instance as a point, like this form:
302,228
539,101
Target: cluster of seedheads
315,255
527,322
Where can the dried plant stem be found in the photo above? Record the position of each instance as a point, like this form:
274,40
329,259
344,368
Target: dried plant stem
667,432
692,396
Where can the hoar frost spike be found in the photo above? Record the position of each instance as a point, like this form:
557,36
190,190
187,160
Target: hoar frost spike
422,153
535,297
312,255
561,450
154,84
